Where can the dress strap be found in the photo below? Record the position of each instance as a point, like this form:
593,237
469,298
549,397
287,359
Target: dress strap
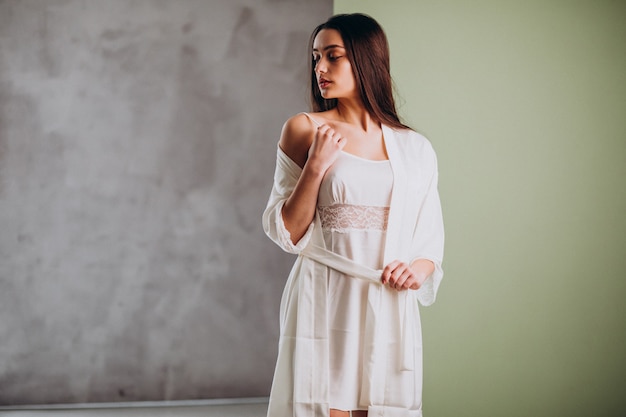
315,122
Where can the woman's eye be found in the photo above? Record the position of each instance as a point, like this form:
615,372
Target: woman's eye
334,57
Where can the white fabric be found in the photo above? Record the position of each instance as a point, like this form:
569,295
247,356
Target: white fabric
414,230
353,206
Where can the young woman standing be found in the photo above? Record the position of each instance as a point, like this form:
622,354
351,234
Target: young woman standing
355,196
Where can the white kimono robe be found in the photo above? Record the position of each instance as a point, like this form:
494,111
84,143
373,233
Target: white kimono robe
414,230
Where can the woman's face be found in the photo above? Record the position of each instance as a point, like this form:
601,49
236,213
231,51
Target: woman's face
332,67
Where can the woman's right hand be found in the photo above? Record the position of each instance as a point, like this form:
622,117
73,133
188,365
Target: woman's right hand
325,148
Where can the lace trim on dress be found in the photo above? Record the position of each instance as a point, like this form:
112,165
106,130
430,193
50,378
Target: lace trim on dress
343,217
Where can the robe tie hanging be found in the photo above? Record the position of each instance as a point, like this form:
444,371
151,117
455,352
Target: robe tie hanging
357,270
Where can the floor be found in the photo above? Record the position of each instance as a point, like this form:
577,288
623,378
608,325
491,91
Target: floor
212,408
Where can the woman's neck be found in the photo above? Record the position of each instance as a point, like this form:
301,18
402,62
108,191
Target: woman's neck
353,112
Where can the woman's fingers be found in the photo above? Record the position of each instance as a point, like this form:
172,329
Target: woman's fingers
323,130
403,279
387,271
399,276
328,133
326,146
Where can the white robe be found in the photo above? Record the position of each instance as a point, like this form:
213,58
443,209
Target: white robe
414,231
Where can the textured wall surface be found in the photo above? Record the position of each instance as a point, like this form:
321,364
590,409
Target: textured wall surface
137,146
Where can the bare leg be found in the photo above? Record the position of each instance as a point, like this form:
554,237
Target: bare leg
340,413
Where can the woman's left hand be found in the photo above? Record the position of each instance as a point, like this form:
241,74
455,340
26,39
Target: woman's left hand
400,276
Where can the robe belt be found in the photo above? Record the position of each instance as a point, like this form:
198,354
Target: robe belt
357,270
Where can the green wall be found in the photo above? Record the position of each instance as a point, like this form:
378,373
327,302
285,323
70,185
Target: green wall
525,103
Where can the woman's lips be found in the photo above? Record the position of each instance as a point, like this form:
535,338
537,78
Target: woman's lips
323,83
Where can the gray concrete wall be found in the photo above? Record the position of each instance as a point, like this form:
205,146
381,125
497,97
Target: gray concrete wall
137,146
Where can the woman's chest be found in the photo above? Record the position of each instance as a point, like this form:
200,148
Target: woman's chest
354,180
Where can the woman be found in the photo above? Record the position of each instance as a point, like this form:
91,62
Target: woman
355,196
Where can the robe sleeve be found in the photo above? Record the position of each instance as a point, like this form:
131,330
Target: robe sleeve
428,238
285,179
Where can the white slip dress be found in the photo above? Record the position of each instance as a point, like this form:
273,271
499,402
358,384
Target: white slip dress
353,206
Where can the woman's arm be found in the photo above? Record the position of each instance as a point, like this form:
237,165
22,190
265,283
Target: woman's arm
314,152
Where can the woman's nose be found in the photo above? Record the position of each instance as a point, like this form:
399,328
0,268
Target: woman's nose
320,67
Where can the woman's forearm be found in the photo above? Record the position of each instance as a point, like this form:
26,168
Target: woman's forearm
299,209
422,268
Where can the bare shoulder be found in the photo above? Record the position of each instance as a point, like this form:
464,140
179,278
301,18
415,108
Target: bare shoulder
296,138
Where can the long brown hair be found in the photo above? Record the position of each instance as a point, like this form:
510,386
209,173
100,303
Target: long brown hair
367,50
